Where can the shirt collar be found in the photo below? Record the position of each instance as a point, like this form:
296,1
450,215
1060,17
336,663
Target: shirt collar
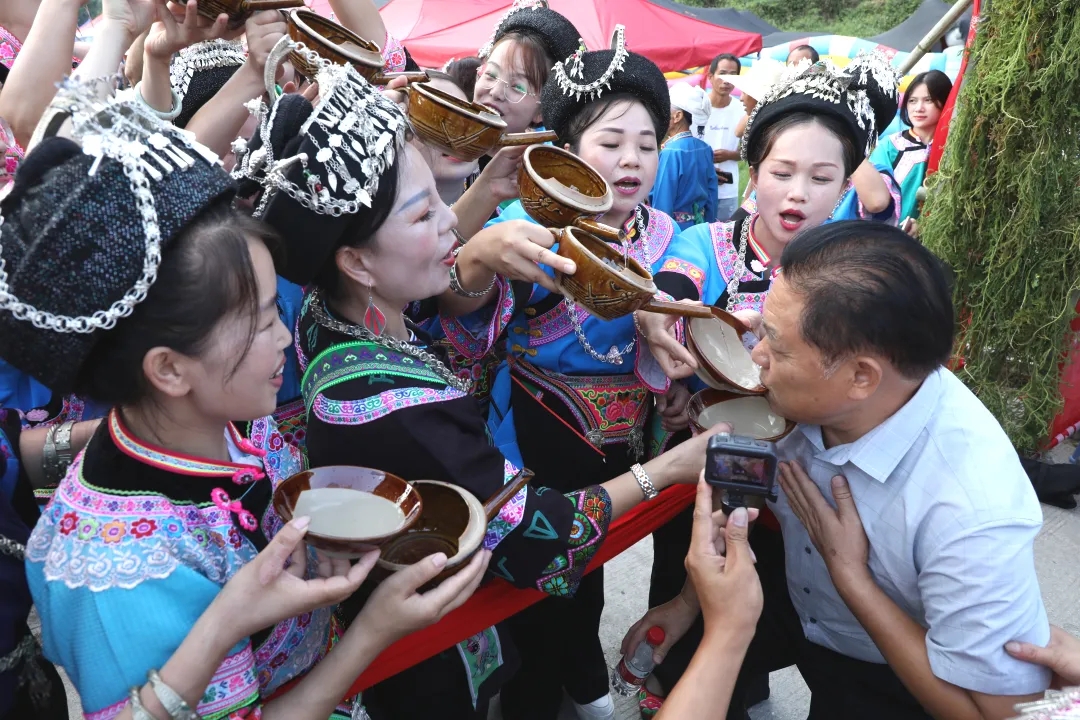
878,452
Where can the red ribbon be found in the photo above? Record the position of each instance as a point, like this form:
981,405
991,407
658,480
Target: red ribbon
942,132
498,599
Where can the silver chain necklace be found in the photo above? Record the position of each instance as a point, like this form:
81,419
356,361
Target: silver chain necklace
740,267
432,362
614,355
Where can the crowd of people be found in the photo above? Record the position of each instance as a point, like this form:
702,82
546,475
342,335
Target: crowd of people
216,272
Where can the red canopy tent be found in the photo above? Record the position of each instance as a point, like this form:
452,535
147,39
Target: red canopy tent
435,31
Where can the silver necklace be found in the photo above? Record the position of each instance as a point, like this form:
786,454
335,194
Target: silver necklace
432,362
740,267
614,355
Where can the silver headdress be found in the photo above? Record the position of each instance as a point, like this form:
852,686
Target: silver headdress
515,7
574,67
350,139
864,90
148,151
202,56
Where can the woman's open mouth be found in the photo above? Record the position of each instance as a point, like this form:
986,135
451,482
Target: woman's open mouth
627,186
792,220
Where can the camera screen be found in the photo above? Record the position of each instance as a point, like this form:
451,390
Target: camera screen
738,469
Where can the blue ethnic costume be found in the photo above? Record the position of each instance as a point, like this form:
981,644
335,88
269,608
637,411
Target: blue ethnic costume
685,186
137,536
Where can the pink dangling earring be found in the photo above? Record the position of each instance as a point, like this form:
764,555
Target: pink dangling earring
374,320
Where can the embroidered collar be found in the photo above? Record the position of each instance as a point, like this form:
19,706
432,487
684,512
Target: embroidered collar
761,257
676,136
179,463
911,137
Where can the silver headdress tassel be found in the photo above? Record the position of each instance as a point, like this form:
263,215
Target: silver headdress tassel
573,68
515,7
354,129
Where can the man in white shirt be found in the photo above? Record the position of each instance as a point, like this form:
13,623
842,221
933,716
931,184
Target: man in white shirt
908,523
720,132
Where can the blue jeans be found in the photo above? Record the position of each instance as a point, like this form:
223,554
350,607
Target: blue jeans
725,208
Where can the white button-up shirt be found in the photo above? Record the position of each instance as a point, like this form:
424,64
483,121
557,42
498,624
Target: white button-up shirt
951,518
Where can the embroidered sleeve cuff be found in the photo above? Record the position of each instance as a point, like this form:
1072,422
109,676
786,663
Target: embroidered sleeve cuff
473,335
592,516
680,279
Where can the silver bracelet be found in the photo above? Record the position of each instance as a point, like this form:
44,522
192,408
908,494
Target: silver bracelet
644,482
138,710
177,104
170,699
57,455
455,285
460,238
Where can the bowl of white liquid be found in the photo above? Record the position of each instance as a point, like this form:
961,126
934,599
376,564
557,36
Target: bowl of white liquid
748,415
353,510
724,363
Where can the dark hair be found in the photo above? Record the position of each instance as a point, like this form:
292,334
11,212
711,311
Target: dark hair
463,71
766,138
724,56
591,113
363,225
938,86
814,57
870,287
446,77
535,60
205,274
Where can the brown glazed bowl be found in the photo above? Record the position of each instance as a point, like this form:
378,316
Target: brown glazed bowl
606,283
239,10
461,129
557,187
711,368
362,479
453,522
340,46
756,418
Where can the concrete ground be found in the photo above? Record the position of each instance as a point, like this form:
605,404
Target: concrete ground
627,579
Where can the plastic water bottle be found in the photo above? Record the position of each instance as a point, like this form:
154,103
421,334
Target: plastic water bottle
629,675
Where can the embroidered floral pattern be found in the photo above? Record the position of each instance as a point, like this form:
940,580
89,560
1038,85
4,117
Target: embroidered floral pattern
612,405
726,255
554,324
393,55
358,412
591,519
469,344
347,361
511,514
233,686
692,272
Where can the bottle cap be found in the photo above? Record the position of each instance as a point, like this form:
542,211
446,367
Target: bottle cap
655,636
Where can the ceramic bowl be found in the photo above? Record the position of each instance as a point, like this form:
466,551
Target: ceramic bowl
705,339
376,482
239,10
453,522
339,45
749,415
464,130
557,187
608,284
